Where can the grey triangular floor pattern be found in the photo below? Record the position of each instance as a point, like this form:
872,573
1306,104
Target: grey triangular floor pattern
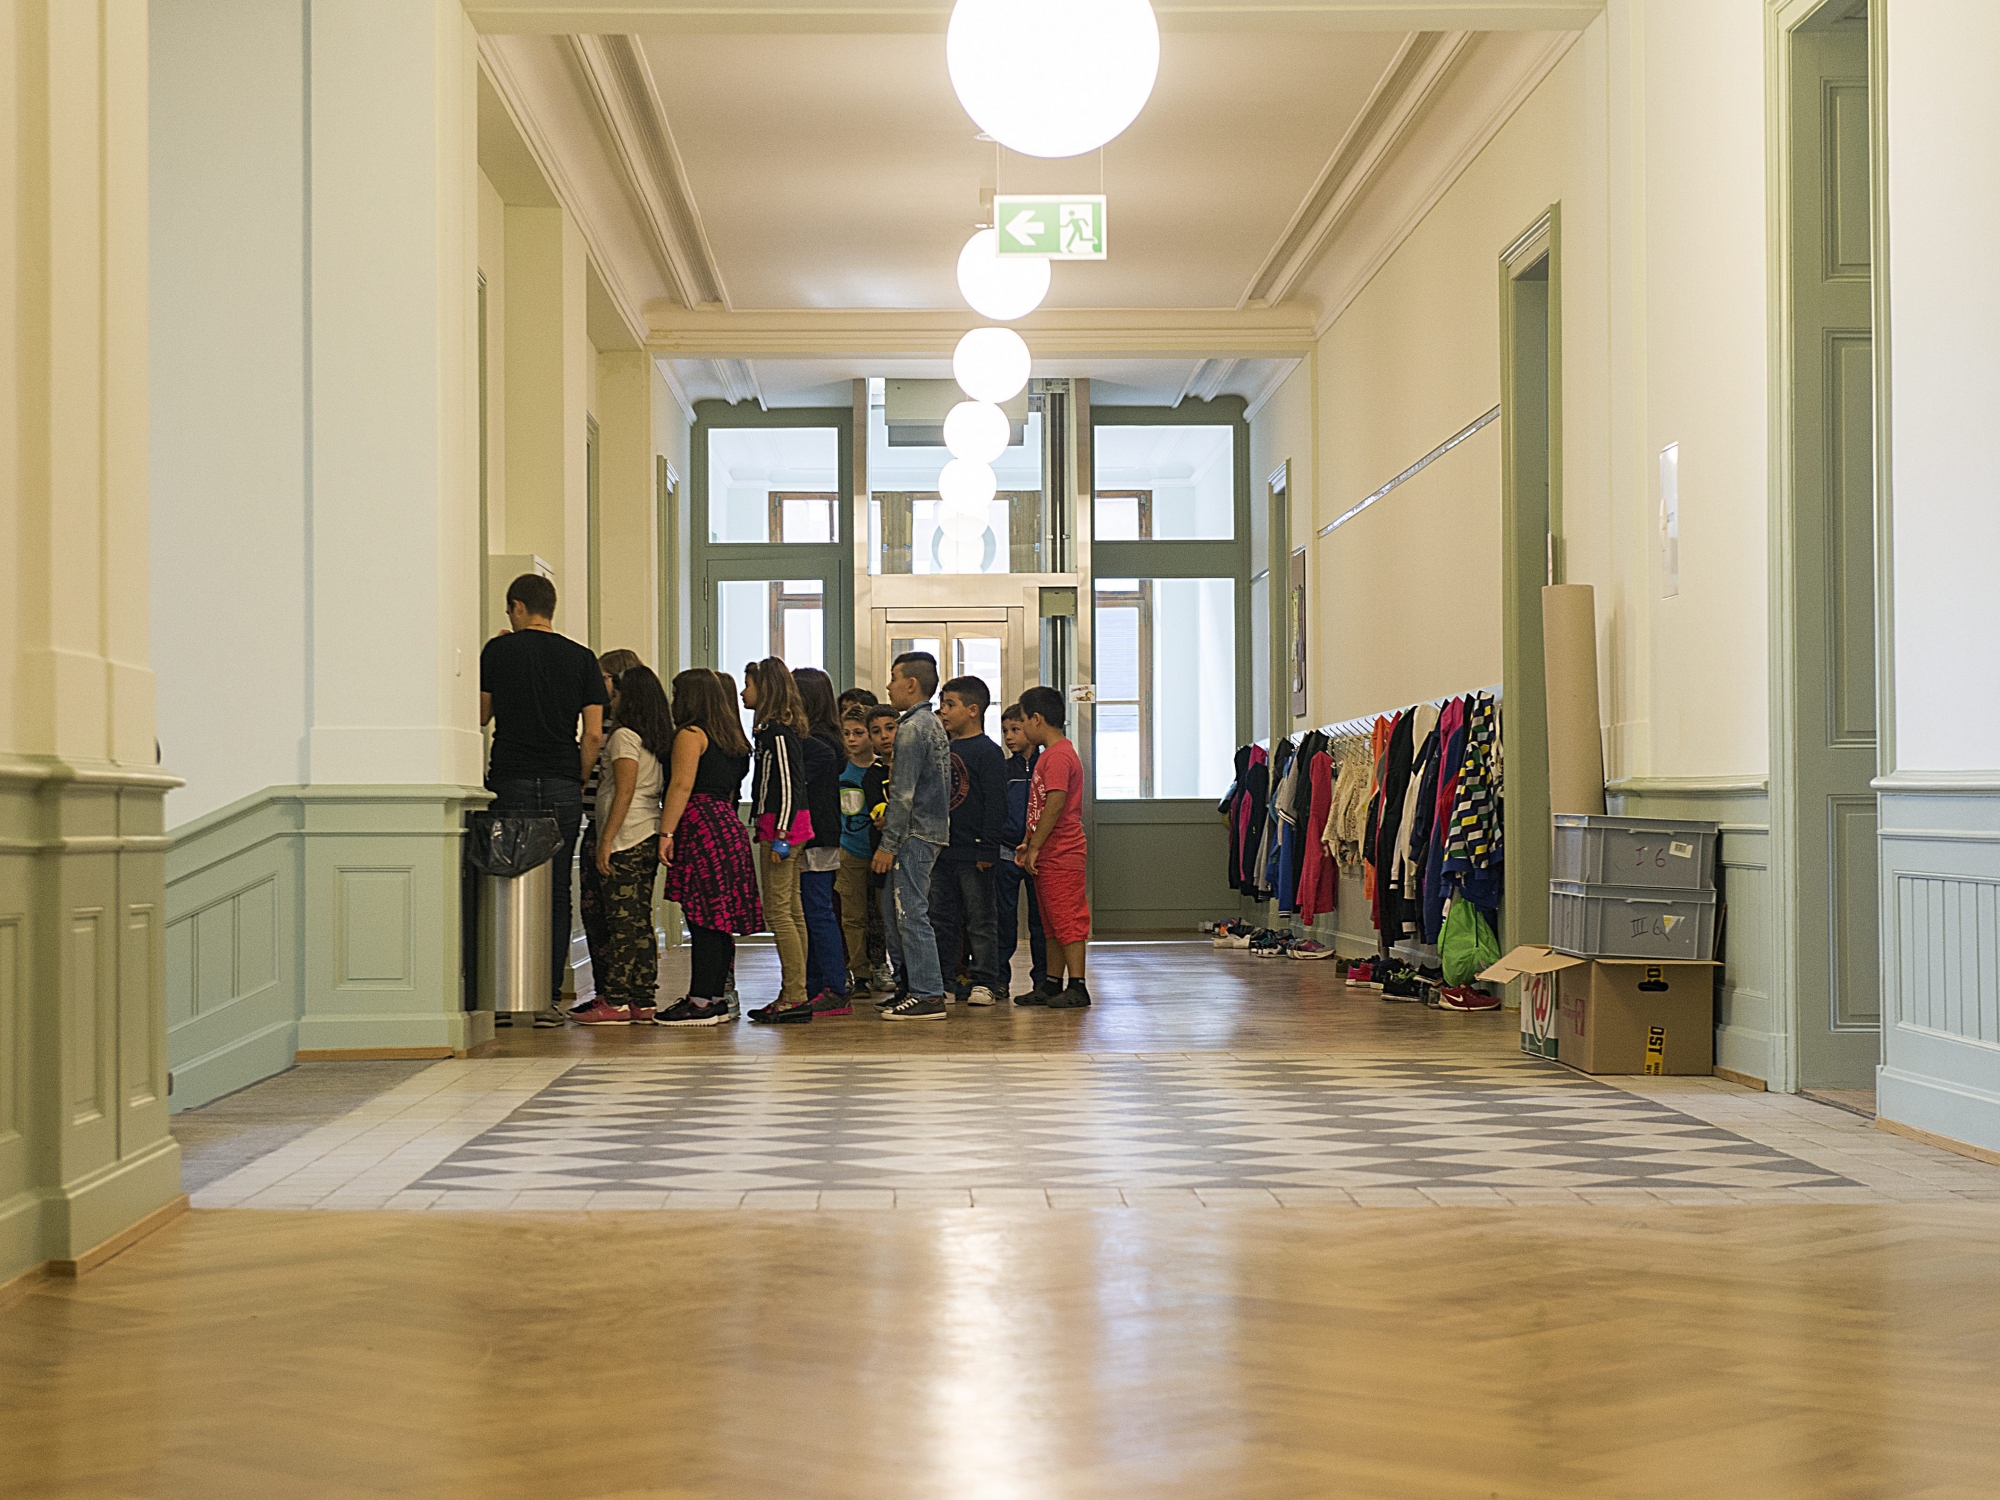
1169,1121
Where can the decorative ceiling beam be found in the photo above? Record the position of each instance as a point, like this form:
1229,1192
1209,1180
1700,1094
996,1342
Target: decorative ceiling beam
1407,88
1206,380
817,17
620,86
1192,333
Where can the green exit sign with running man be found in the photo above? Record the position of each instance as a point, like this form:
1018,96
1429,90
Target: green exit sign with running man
1070,228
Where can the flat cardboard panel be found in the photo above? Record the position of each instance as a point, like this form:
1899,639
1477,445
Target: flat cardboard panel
1529,958
1630,1017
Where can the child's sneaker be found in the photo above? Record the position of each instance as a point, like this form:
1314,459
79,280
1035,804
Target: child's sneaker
1402,985
1360,973
783,1013
883,980
642,1015
1074,996
1465,997
981,995
598,1013
914,1009
690,1012
1039,995
827,1003
1311,948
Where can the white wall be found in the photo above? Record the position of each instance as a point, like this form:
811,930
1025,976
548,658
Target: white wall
229,588
1944,328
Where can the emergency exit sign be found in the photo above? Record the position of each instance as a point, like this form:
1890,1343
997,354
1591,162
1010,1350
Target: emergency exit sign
1068,228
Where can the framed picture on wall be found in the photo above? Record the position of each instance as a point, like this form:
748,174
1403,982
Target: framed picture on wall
1297,631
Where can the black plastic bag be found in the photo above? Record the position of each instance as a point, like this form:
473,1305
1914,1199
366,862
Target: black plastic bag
510,844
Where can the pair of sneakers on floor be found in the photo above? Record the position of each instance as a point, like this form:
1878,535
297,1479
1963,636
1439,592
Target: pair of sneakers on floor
1053,994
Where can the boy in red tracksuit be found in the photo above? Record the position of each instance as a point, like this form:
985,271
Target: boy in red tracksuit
1054,852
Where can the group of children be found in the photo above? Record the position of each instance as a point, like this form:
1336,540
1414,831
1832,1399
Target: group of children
888,845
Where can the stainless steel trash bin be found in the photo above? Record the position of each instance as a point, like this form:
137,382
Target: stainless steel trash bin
514,941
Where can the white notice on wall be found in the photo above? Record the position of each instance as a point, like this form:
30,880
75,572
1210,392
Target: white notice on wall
1670,521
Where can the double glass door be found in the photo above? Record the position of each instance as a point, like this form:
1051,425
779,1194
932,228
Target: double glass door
968,642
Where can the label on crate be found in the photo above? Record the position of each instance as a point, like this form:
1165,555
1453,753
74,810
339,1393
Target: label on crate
1656,1050
1681,851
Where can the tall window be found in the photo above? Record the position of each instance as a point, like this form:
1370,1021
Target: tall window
1166,687
1166,484
773,484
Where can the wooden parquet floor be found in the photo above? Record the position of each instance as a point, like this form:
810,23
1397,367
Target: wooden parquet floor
1626,1352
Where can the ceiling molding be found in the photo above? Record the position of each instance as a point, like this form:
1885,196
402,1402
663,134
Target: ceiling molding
1206,380
677,390
619,84
1270,388
508,84
737,379
1442,175
1198,333
1408,88
818,17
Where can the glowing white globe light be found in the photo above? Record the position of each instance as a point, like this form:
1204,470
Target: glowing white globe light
960,526
977,431
1002,288
991,364
967,487
1053,77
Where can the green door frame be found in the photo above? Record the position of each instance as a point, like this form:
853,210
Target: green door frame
831,562
1531,555
1199,559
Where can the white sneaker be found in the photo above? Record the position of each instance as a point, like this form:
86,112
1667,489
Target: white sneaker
981,995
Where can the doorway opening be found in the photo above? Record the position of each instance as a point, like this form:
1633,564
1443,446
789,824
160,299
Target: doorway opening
1531,530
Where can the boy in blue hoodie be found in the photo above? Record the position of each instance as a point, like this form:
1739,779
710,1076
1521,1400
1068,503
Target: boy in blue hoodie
1012,878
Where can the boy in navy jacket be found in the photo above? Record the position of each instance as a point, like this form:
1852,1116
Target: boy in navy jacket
1013,879
964,896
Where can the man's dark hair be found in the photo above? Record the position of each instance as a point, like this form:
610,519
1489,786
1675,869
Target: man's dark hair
857,698
1012,711
921,667
881,711
1045,701
535,594
971,691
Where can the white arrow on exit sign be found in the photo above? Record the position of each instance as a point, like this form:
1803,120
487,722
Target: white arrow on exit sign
1053,228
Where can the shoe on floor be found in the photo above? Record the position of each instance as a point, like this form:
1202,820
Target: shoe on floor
1465,997
1402,987
1311,948
981,995
827,1003
554,1016
783,1013
894,997
597,1013
1075,996
914,1009
689,1012
643,1015
1360,973
1040,994
883,980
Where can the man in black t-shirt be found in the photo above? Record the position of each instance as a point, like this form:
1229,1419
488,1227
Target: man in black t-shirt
534,687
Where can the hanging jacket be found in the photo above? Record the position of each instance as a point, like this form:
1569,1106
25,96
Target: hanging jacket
1438,882
1319,892
1473,850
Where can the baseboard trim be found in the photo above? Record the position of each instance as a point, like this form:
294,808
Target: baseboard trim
1745,1080
122,1241
1942,1142
376,1054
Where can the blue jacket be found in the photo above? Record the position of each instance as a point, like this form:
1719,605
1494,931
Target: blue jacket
920,783
1014,828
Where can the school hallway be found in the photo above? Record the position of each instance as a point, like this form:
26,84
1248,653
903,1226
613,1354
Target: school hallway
1236,1230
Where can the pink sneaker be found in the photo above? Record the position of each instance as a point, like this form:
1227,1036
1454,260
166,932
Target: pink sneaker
597,1013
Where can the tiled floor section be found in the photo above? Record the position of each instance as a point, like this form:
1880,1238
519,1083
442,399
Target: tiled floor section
1080,1131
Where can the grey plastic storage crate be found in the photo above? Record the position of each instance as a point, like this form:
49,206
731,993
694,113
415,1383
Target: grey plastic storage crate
1601,921
1665,853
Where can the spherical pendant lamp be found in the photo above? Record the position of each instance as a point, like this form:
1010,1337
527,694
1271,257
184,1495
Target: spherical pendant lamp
967,487
991,364
999,287
977,431
1053,77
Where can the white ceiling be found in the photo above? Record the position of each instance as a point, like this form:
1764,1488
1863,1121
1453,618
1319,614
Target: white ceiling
841,172
776,209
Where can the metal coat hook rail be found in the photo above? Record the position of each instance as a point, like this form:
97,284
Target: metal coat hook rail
1364,727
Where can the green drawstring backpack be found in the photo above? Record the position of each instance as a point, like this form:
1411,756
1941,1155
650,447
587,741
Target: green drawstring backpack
1467,945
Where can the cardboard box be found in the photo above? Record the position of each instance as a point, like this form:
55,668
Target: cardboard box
1614,1015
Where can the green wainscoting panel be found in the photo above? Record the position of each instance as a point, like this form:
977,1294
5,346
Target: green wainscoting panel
317,918
1159,866
84,1148
1940,874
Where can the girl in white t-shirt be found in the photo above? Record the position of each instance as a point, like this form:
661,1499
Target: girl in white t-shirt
628,849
